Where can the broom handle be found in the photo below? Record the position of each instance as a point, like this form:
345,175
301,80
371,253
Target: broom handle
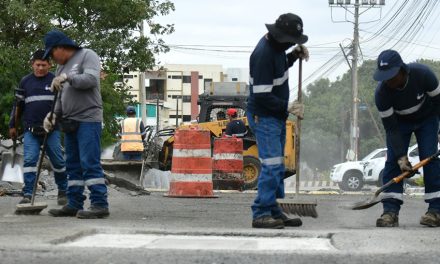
43,150
298,129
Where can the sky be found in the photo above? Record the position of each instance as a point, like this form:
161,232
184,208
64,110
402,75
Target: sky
237,26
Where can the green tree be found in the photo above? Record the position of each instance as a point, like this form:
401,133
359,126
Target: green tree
111,28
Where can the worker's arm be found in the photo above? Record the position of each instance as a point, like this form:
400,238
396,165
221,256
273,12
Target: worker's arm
391,125
263,82
89,78
432,89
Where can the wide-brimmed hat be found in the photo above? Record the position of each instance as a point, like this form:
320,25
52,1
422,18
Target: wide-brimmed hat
56,38
288,28
389,64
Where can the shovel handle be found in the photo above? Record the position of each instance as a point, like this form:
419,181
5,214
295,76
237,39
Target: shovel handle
415,168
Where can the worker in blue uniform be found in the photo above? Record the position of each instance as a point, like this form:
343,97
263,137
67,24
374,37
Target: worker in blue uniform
267,110
35,102
408,99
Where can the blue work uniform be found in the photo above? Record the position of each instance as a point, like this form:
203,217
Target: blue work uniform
236,128
267,114
36,102
412,109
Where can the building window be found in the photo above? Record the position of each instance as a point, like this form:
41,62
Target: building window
200,76
187,98
175,77
234,79
186,79
129,76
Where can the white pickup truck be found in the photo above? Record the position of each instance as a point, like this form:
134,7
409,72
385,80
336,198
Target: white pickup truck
350,175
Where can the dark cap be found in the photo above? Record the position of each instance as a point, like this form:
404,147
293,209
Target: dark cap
130,110
56,38
389,64
38,55
288,29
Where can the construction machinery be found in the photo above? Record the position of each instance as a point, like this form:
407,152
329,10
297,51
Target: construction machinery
215,101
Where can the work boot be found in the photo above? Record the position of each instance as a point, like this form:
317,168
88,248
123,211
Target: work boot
93,213
290,221
63,212
267,221
388,219
431,219
26,199
62,198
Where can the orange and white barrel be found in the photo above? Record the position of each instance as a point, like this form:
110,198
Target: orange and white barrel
191,169
228,164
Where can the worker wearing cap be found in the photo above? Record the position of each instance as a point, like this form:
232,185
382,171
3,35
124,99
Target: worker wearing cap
34,101
79,111
267,111
408,99
235,127
132,136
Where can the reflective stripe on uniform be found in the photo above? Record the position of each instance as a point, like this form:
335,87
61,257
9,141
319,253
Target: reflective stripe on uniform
95,181
272,161
411,109
388,195
435,92
433,195
75,183
386,113
29,169
267,88
36,98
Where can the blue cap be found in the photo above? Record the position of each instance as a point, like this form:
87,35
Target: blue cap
56,38
131,110
389,64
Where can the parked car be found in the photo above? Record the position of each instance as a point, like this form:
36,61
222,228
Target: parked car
373,170
350,175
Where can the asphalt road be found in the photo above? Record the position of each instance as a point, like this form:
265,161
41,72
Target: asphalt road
157,229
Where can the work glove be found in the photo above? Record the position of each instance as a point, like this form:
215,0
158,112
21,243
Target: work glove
297,109
301,52
49,124
13,133
404,164
57,82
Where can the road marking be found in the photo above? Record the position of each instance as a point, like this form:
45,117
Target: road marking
184,242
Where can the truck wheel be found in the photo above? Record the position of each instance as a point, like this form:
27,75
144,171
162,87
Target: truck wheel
352,181
251,170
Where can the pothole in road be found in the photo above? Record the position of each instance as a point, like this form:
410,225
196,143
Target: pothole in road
201,242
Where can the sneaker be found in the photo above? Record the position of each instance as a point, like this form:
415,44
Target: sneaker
388,219
289,221
93,213
431,219
267,222
62,198
63,212
26,199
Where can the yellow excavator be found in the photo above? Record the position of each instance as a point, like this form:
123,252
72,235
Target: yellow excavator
210,118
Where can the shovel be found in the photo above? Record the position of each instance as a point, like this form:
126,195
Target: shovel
12,165
376,199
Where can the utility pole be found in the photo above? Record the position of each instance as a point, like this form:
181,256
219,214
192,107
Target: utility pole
142,99
353,8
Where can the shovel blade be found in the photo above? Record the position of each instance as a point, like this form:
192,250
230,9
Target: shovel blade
363,204
12,168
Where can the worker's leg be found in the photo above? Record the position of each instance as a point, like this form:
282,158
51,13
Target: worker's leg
31,147
392,197
428,145
268,131
75,183
57,160
89,141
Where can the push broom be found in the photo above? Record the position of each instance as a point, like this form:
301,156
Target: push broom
34,208
295,206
